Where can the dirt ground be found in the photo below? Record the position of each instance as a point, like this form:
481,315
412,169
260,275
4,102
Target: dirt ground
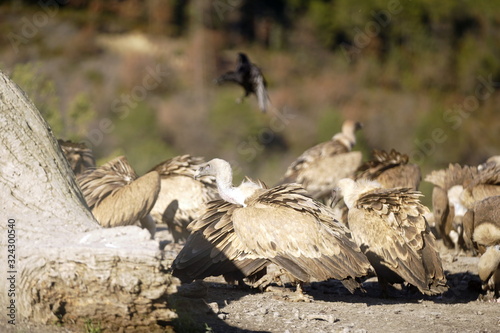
214,306
334,309
225,308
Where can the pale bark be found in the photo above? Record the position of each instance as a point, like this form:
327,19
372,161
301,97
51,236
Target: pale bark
68,268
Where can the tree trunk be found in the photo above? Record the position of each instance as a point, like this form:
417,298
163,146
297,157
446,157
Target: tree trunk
59,264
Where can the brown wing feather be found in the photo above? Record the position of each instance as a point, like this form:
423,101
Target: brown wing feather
79,156
454,175
97,184
213,248
292,230
408,176
129,203
183,165
310,157
390,223
380,162
182,197
484,225
391,170
485,183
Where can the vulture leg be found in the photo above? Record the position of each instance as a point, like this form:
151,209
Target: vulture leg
148,223
264,282
492,289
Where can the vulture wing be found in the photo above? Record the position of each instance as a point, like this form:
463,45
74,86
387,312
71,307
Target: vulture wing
295,232
390,223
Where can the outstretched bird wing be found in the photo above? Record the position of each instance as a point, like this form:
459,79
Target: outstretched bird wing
297,233
213,248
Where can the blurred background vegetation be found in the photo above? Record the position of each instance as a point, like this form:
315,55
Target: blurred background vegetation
136,77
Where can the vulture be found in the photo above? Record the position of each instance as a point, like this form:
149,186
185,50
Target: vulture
319,168
250,77
492,161
455,216
390,228
182,198
483,184
212,249
253,226
79,156
444,212
390,170
482,232
118,197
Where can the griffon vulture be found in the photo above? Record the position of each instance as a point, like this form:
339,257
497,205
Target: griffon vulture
482,232
492,161
485,183
118,197
444,212
182,198
281,225
389,226
319,168
390,170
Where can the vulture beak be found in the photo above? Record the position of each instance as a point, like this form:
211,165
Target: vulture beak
200,172
336,196
197,175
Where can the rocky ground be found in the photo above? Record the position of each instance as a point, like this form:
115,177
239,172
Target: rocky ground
224,308
214,306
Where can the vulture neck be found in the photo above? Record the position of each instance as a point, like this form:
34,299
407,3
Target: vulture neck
227,191
346,137
454,198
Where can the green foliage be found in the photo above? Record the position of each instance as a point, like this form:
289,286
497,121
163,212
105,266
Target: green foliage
241,122
138,137
91,327
80,115
404,81
42,92
329,123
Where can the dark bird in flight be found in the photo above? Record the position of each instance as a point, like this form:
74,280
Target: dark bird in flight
250,77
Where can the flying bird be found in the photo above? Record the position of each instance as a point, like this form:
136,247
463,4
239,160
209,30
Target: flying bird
390,227
118,197
79,156
281,225
319,168
182,198
250,77
390,169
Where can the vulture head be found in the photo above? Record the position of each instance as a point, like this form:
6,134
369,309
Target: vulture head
348,134
223,174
